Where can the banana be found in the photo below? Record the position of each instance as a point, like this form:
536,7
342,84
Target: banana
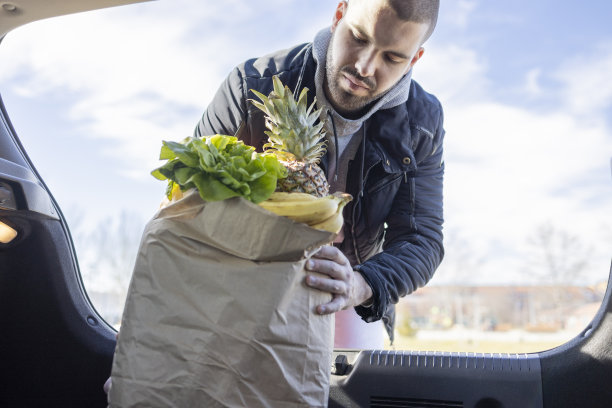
331,224
176,193
280,196
335,222
310,211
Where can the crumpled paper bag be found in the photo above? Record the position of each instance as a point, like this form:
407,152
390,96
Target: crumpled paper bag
218,315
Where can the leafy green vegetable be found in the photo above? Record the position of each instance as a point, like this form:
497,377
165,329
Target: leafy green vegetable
220,167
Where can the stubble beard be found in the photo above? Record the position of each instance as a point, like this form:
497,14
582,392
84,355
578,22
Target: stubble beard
344,102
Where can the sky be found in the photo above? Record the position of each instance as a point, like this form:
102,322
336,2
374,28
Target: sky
525,87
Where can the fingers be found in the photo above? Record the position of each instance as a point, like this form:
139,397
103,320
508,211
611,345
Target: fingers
107,385
332,286
338,289
331,253
337,278
335,268
337,303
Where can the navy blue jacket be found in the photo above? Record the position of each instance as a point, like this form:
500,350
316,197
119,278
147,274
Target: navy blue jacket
393,226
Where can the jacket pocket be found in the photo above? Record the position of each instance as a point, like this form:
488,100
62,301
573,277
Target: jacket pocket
376,205
384,182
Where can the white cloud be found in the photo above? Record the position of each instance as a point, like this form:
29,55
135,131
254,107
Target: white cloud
586,78
148,75
457,13
145,73
454,74
532,85
114,59
510,170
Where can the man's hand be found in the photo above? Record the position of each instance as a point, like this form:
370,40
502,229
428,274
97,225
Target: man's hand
347,287
108,383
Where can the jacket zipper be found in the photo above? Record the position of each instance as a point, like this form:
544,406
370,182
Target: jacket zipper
365,178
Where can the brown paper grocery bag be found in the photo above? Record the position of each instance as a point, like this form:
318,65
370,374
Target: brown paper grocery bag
217,313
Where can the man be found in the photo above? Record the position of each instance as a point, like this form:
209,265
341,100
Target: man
384,147
387,135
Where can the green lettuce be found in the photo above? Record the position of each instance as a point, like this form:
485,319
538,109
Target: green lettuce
219,167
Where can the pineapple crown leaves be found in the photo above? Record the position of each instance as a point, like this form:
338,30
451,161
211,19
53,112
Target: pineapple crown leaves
292,132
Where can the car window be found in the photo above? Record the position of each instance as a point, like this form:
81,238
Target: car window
527,148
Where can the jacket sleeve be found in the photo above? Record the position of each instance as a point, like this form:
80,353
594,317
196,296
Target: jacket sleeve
227,112
413,247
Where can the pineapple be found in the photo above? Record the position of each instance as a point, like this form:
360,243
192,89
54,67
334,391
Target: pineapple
295,139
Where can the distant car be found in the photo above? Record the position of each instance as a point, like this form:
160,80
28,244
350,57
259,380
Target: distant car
56,351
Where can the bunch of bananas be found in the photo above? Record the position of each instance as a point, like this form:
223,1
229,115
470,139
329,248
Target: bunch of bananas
324,213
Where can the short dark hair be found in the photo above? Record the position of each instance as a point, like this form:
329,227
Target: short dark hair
418,11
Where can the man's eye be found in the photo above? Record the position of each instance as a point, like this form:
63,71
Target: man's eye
394,60
358,39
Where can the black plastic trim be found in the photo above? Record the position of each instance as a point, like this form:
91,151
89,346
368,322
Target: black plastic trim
448,379
577,373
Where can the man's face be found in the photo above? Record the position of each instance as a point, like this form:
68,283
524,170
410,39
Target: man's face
370,51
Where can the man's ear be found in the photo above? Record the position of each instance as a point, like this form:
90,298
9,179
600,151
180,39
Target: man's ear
339,14
416,57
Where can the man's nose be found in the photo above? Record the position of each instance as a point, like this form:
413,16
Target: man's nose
366,64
